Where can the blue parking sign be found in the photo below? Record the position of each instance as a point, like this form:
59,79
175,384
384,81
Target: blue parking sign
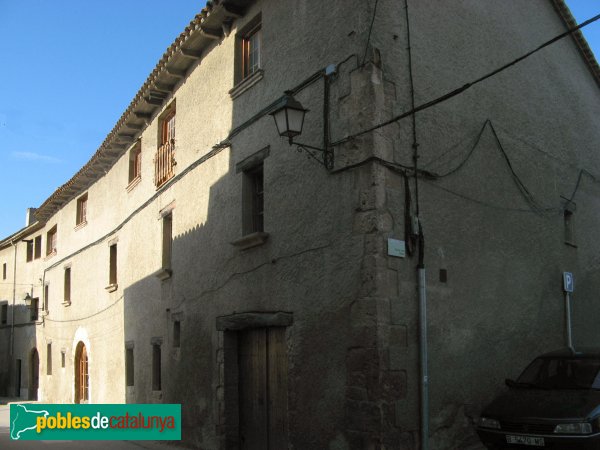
568,281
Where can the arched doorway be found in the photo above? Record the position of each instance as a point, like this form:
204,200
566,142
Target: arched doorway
34,374
81,374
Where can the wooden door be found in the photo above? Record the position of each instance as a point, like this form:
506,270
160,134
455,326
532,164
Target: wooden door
81,374
262,364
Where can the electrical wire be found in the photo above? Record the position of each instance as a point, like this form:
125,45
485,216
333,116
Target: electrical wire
87,317
466,86
370,29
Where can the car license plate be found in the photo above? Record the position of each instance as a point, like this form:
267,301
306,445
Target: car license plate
525,440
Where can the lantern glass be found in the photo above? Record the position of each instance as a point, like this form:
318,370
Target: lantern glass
295,121
289,117
281,121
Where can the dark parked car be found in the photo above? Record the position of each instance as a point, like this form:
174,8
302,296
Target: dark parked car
554,404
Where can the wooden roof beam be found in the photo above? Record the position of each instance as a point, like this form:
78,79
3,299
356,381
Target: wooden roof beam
193,54
176,72
233,10
211,33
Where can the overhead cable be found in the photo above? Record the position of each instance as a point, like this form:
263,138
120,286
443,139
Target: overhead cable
466,86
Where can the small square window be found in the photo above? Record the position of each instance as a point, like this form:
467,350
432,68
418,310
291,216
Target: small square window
81,210
49,359
253,200
67,286
248,50
129,367
135,162
177,334
34,309
112,273
167,240
46,297
156,368
51,241
251,52
29,256
38,247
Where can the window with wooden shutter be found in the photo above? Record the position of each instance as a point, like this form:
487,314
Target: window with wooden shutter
164,160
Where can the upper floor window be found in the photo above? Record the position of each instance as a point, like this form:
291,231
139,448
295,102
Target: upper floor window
248,50
112,272
164,161
29,250
4,271
67,286
51,241
38,247
82,210
34,309
251,51
254,197
135,162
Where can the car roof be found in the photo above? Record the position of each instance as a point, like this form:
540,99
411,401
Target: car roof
578,352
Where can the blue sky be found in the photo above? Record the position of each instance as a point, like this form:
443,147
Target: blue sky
70,69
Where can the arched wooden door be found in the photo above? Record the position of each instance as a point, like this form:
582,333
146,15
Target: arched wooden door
81,374
34,374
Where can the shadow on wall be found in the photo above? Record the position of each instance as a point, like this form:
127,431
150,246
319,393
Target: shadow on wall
19,368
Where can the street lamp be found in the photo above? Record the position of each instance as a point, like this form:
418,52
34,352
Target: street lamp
289,117
28,299
289,120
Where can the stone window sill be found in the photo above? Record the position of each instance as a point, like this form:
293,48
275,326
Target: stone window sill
134,183
251,240
163,274
66,303
50,255
79,226
246,84
112,287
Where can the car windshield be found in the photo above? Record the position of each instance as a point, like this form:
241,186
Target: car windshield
561,373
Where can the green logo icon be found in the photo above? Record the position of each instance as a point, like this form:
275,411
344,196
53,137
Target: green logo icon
31,421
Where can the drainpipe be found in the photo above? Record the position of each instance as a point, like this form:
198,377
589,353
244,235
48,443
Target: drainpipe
421,274
11,362
423,362
14,299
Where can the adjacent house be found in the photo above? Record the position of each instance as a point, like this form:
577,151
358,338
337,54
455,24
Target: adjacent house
273,279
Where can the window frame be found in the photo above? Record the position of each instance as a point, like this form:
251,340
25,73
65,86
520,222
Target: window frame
81,212
251,51
67,286
164,158
29,251
37,247
34,309
129,366
113,266
49,358
248,42
135,163
156,366
52,241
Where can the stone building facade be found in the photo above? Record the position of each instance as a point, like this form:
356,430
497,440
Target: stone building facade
197,258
